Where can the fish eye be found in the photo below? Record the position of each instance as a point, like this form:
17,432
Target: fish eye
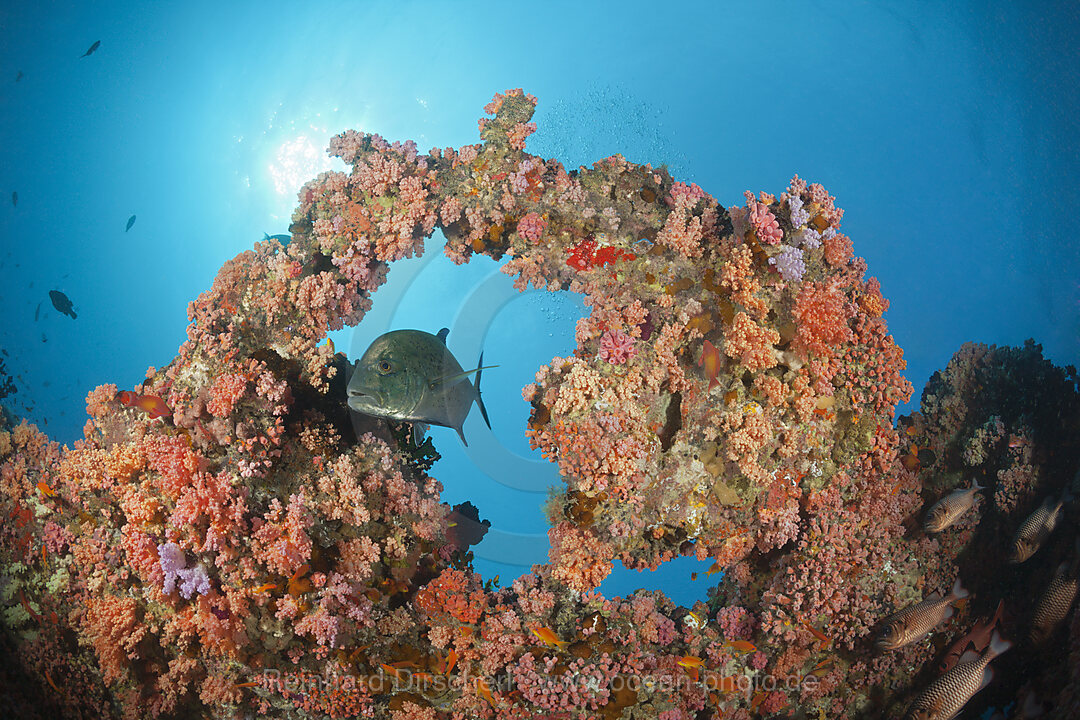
384,366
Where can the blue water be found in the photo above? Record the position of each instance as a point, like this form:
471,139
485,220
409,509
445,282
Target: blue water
948,132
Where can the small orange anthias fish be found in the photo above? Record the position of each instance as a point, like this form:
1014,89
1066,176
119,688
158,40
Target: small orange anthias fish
152,405
710,363
44,489
690,663
741,646
484,690
549,637
821,637
823,668
451,660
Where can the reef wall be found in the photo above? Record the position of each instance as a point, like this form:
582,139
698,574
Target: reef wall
223,544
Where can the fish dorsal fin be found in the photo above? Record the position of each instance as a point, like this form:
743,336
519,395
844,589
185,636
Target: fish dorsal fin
969,656
442,335
457,376
933,596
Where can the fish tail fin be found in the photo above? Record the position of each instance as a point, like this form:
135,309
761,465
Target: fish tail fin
958,591
975,486
998,644
479,400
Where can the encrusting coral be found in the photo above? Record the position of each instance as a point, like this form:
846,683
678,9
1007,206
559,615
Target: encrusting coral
731,397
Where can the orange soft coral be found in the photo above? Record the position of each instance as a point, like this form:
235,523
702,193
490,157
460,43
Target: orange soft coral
822,314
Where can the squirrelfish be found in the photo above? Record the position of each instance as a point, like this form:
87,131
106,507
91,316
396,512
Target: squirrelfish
1055,603
913,622
951,508
410,375
946,696
1034,531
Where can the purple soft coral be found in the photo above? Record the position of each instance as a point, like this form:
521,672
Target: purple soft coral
173,565
789,261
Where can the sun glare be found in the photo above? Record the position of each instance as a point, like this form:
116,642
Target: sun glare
295,162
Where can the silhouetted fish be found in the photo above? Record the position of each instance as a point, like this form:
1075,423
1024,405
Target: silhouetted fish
37,311
61,302
95,46
464,526
283,239
14,199
19,76
131,221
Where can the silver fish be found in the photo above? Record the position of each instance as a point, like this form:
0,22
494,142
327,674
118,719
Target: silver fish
946,696
1055,603
410,375
951,508
1034,531
913,622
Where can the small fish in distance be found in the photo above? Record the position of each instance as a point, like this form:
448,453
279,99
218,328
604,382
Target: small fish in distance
95,46
62,303
410,375
130,222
